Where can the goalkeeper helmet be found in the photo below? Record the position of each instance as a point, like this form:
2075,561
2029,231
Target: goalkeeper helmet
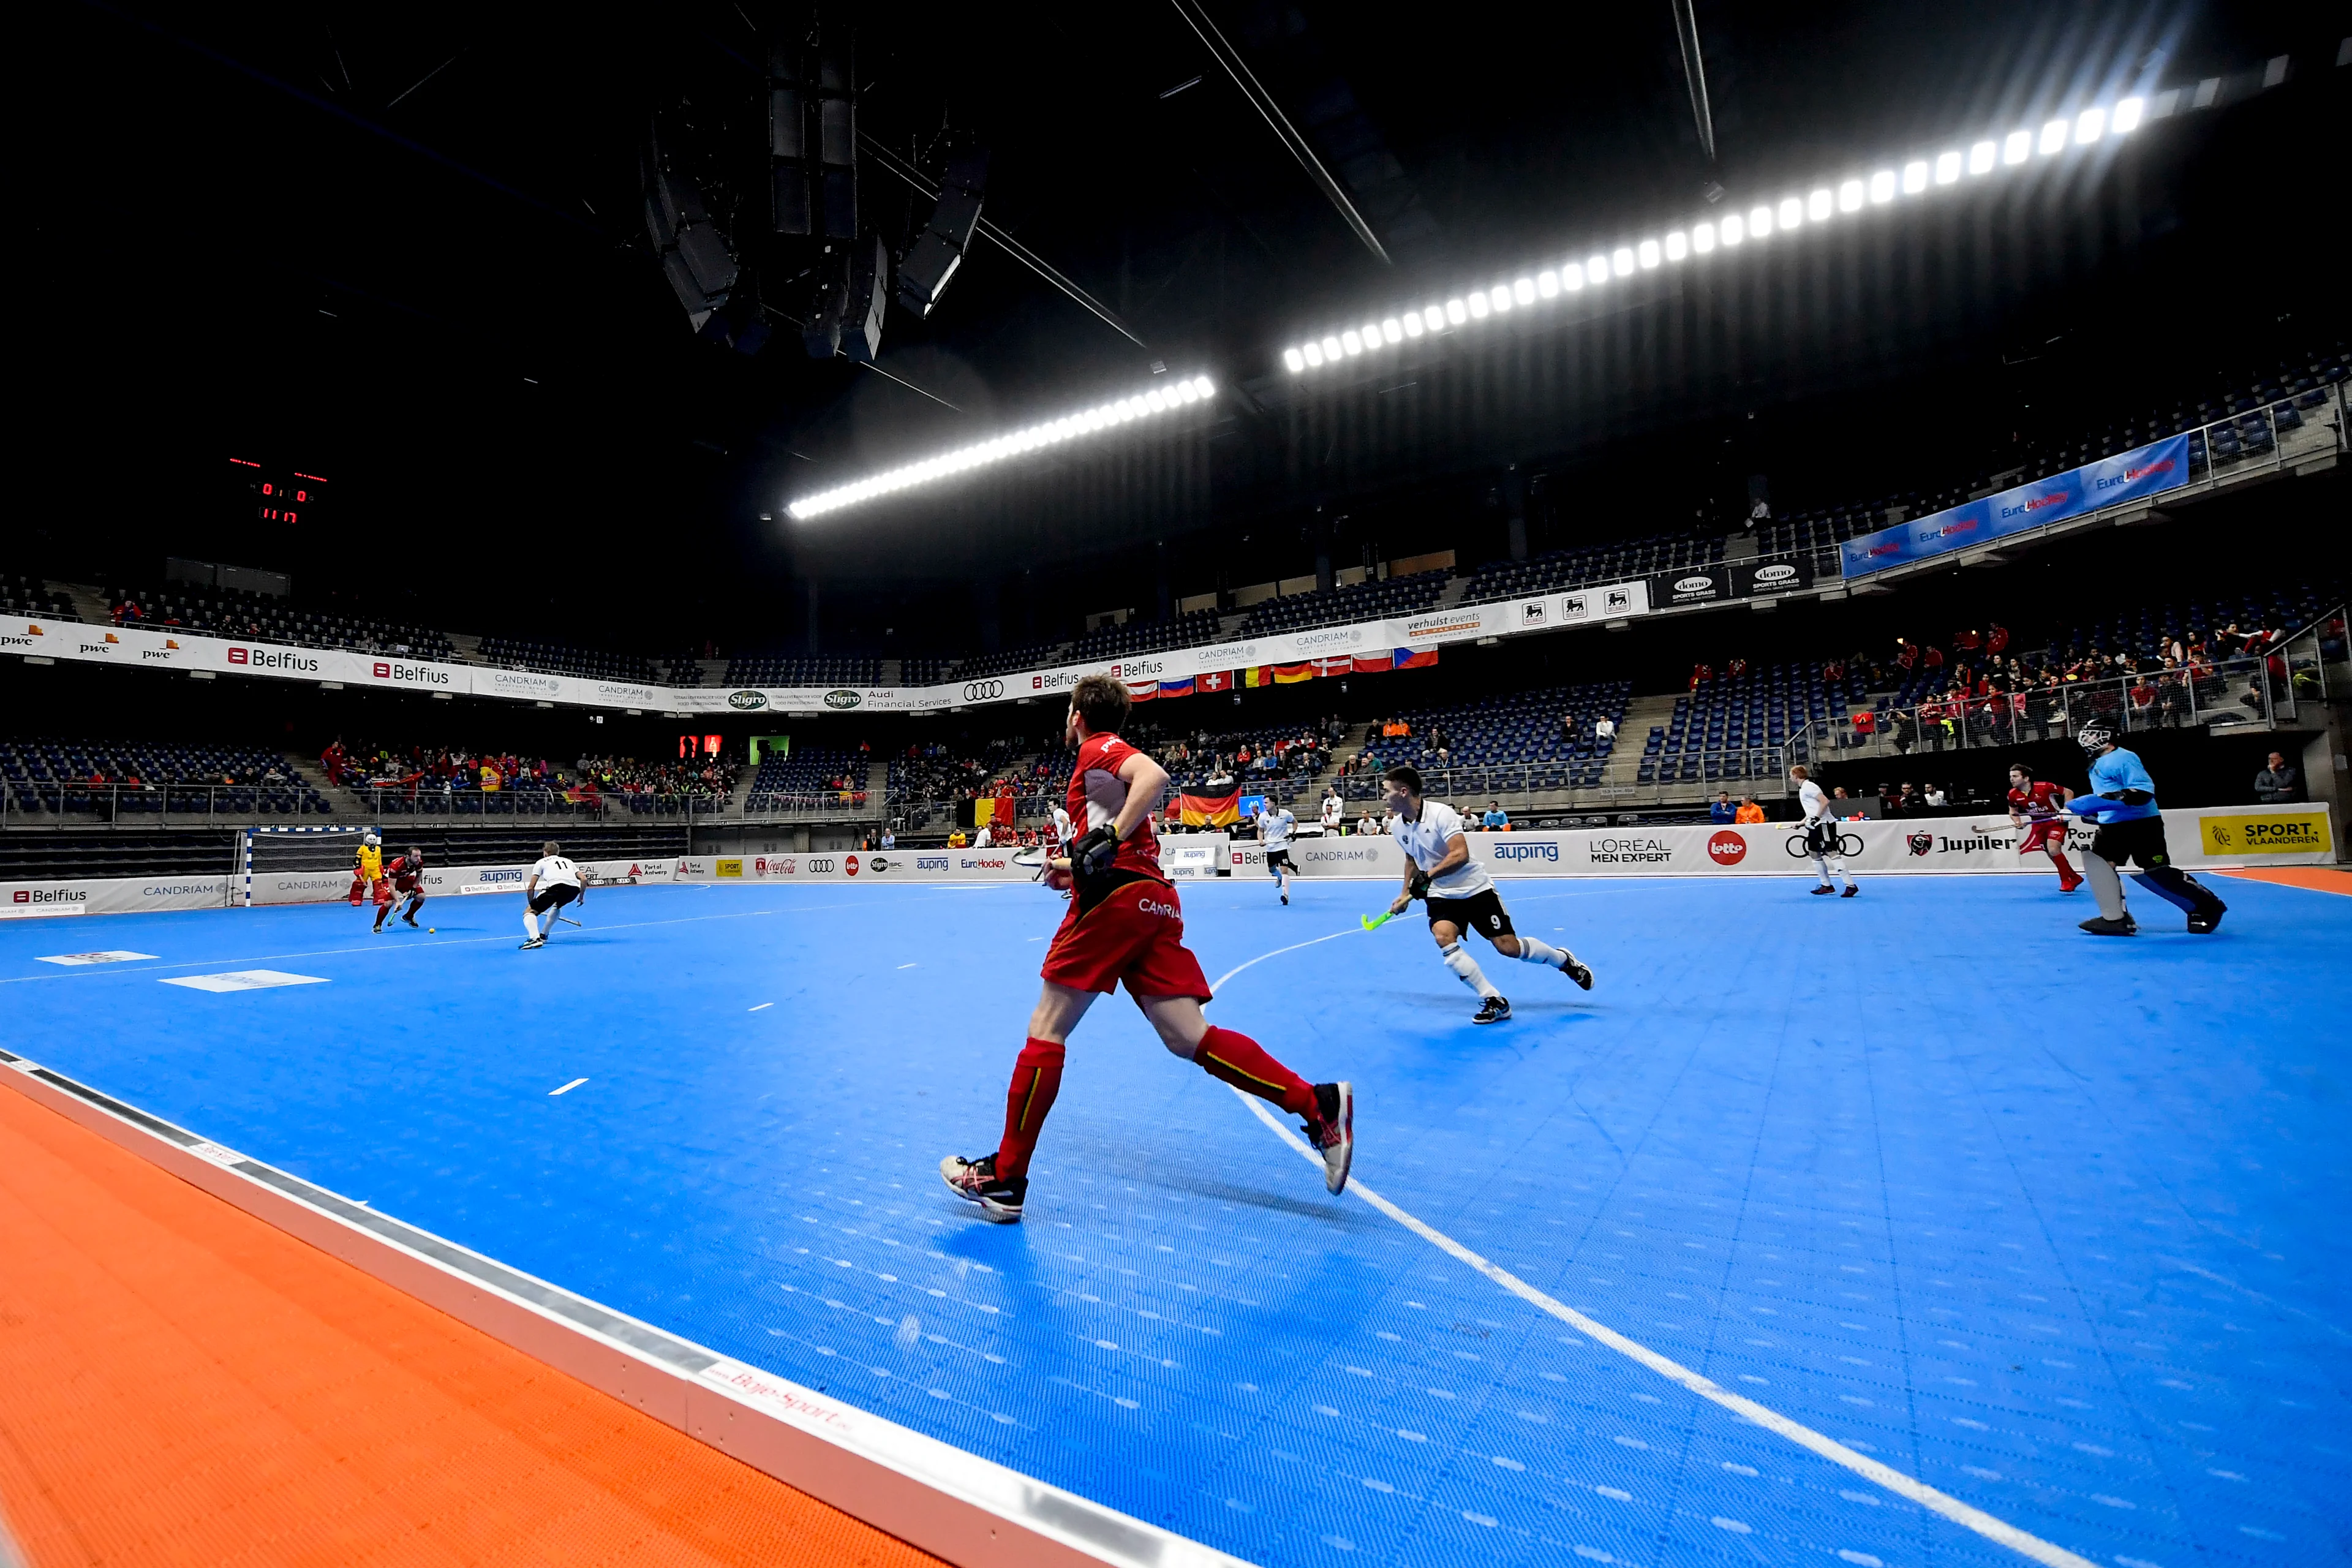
371,840
2093,736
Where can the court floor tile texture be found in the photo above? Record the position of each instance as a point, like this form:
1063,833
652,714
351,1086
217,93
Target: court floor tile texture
2052,1224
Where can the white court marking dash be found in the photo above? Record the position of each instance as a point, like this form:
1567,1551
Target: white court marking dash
905,966
763,1007
116,956
567,1088
1908,1488
244,980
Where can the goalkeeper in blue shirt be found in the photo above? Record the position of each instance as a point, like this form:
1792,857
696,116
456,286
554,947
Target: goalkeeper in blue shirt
2122,801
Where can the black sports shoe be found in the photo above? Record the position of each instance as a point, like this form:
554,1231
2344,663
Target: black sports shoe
1851,890
411,920
534,942
1333,1132
2099,925
1493,1010
2205,922
1824,891
976,1180
1286,901
1579,972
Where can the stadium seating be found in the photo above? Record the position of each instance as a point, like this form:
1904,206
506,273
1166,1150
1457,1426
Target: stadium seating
1497,744
780,669
1146,636
21,596
1728,729
806,771
556,659
1615,562
235,612
1390,597
55,776
923,671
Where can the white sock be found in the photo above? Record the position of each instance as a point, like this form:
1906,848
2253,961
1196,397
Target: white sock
1465,969
1533,950
530,924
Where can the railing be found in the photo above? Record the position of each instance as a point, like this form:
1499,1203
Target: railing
61,803
2260,691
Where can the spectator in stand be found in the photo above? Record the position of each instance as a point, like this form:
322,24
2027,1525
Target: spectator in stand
1568,727
1750,813
1736,669
1496,819
2278,784
1604,728
1996,640
1723,810
1701,673
2143,700
1844,807
1366,825
1912,804
889,839
1935,797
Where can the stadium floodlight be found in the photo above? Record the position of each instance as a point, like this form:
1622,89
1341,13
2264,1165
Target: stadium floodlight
1182,393
2082,127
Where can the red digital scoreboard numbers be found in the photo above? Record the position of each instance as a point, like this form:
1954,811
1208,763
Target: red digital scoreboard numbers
279,494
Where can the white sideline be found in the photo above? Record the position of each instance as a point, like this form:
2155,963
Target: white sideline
1908,1488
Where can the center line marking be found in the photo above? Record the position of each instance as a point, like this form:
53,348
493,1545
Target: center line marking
905,966
1908,1488
567,1088
764,1004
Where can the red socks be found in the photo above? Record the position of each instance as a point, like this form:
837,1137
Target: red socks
1036,1079
1240,1061
2067,876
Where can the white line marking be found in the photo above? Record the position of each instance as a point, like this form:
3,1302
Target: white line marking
2252,1294
567,1088
905,966
1906,1487
76,960
414,947
762,1006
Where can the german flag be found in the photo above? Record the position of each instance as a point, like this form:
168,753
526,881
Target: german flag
1292,674
1210,810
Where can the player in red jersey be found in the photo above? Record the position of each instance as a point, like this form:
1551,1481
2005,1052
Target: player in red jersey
2035,806
1125,924
404,878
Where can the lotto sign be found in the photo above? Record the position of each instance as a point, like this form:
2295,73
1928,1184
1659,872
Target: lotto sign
2286,833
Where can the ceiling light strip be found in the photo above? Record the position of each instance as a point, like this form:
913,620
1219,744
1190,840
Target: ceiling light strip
1762,221
1182,393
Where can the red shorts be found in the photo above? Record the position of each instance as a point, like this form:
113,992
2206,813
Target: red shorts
1137,935
2045,836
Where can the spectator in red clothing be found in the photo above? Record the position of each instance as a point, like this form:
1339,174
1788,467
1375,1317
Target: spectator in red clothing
1701,673
1997,640
1736,669
1966,641
1906,655
1933,658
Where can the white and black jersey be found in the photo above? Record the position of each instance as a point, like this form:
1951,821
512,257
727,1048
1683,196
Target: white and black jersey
1275,828
1425,842
1814,804
1334,810
554,882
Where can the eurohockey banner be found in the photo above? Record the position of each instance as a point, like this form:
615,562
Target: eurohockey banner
2134,476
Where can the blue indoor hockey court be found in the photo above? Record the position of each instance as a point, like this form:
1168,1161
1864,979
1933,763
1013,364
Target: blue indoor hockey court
2052,1225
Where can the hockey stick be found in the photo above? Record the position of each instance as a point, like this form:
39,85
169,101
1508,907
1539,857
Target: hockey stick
1374,922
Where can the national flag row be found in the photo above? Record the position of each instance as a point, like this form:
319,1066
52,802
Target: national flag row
1284,674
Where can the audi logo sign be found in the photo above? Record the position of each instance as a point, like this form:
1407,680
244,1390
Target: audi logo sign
982,690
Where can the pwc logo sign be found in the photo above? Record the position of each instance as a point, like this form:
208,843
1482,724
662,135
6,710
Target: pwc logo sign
1726,847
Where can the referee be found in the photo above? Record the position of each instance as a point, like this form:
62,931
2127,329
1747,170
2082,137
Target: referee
1461,897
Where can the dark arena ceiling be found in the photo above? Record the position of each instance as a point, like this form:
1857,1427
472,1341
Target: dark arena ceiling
406,249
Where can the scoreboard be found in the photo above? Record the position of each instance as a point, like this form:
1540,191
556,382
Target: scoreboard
279,494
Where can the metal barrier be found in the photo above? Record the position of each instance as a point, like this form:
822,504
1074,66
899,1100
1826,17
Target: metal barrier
63,803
